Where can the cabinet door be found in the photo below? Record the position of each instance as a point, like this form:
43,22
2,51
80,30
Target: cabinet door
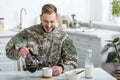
4,40
96,47
8,66
82,43
3,43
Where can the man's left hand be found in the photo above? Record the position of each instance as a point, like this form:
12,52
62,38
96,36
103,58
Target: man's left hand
57,70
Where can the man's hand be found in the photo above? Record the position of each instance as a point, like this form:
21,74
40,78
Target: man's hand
57,70
24,51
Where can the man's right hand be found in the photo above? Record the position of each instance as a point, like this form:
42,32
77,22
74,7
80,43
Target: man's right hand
24,51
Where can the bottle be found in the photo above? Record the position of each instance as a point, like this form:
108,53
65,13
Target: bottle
90,24
1,24
89,65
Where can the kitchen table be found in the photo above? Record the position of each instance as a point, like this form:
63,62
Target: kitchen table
99,74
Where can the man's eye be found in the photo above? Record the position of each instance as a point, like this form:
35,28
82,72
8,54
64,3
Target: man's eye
52,21
46,21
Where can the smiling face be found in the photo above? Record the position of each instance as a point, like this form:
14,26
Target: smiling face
48,17
48,21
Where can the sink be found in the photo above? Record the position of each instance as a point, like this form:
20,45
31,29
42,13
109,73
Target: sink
85,30
81,30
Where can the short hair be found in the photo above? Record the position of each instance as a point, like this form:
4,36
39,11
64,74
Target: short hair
49,9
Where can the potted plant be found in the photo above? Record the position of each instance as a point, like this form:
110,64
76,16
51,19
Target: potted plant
114,55
113,50
116,10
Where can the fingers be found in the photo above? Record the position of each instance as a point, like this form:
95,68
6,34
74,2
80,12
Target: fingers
57,70
23,51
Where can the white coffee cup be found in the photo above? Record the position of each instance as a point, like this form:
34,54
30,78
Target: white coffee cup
47,72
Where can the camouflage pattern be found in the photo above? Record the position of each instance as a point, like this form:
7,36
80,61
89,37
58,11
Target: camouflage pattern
54,48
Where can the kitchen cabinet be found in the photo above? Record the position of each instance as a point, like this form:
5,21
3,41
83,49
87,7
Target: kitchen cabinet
82,43
94,39
6,64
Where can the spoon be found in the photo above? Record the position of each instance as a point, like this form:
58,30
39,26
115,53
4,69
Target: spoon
80,72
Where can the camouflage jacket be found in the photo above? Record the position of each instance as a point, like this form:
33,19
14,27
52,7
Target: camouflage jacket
54,48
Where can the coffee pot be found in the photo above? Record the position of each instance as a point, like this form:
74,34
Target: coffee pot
30,62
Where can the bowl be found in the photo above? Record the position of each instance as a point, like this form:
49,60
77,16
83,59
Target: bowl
72,75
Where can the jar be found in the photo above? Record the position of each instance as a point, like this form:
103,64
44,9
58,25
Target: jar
89,65
1,24
64,21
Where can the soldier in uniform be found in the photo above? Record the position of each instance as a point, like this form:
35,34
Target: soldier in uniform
52,46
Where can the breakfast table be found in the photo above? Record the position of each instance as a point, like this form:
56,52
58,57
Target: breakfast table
99,74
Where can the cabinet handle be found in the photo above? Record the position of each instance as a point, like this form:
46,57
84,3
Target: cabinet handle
0,53
0,69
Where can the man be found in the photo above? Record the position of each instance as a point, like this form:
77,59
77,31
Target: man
52,46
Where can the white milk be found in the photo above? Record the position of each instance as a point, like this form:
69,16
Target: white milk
89,71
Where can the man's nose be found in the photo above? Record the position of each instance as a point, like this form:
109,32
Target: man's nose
49,24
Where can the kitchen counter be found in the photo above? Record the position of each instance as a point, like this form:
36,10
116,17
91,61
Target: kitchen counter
93,32
7,33
99,74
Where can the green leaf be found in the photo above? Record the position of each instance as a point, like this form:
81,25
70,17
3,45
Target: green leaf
118,43
110,45
115,40
115,60
109,40
111,57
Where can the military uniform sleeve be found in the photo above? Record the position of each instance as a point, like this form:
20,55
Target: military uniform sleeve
14,45
68,55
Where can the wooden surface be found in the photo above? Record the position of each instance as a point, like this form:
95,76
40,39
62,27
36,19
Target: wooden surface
117,74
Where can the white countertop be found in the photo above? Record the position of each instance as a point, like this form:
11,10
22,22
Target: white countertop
91,32
81,31
99,74
7,33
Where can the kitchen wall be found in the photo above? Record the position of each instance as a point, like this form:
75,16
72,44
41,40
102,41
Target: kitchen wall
96,10
10,10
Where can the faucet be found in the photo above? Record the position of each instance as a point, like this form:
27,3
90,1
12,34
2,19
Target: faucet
90,24
20,25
